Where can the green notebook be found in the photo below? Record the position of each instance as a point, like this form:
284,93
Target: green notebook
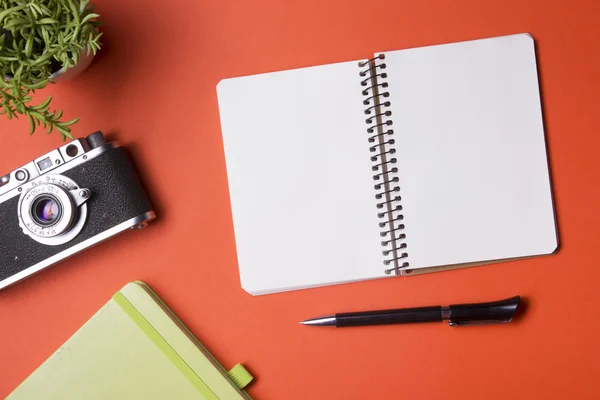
133,348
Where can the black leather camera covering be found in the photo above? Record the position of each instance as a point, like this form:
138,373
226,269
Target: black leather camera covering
117,196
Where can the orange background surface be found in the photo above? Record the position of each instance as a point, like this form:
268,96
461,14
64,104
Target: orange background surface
152,88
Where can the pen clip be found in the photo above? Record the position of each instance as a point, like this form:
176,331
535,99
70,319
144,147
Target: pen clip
496,312
478,322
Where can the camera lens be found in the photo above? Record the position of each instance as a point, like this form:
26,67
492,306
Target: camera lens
53,209
46,210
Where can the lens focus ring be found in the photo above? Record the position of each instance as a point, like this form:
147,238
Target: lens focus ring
50,211
47,210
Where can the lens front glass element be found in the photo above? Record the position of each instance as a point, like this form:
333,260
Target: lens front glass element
46,210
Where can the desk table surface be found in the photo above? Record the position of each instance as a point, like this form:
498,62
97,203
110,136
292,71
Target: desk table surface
152,88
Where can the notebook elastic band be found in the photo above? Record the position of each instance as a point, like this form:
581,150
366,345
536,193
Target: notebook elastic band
164,347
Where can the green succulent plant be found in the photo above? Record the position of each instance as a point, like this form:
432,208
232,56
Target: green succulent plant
38,38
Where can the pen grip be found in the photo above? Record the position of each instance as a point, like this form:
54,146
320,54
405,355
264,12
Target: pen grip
386,317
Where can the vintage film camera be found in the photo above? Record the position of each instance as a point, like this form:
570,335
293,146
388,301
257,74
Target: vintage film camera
65,201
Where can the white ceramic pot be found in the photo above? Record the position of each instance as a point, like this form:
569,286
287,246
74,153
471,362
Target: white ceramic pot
65,73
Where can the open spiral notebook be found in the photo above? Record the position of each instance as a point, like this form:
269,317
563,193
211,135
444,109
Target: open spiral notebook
413,161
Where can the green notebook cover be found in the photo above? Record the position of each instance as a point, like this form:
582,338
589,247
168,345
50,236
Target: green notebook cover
134,347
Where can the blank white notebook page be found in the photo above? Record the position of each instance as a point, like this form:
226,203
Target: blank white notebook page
300,178
471,152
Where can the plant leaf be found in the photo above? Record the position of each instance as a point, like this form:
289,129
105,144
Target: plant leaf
43,105
35,7
37,115
31,124
66,132
8,11
47,20
29,46
89,17
71,122
83,5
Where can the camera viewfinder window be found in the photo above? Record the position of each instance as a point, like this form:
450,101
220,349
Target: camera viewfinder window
45,163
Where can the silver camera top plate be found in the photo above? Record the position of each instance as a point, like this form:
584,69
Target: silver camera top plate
56,161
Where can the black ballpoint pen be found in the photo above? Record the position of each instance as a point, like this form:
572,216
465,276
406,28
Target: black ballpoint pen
496,312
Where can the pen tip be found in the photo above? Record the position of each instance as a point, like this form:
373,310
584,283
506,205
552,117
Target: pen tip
301,323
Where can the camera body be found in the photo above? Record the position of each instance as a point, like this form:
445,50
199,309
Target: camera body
66,201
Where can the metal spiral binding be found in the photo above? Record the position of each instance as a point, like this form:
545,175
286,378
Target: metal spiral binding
381,140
